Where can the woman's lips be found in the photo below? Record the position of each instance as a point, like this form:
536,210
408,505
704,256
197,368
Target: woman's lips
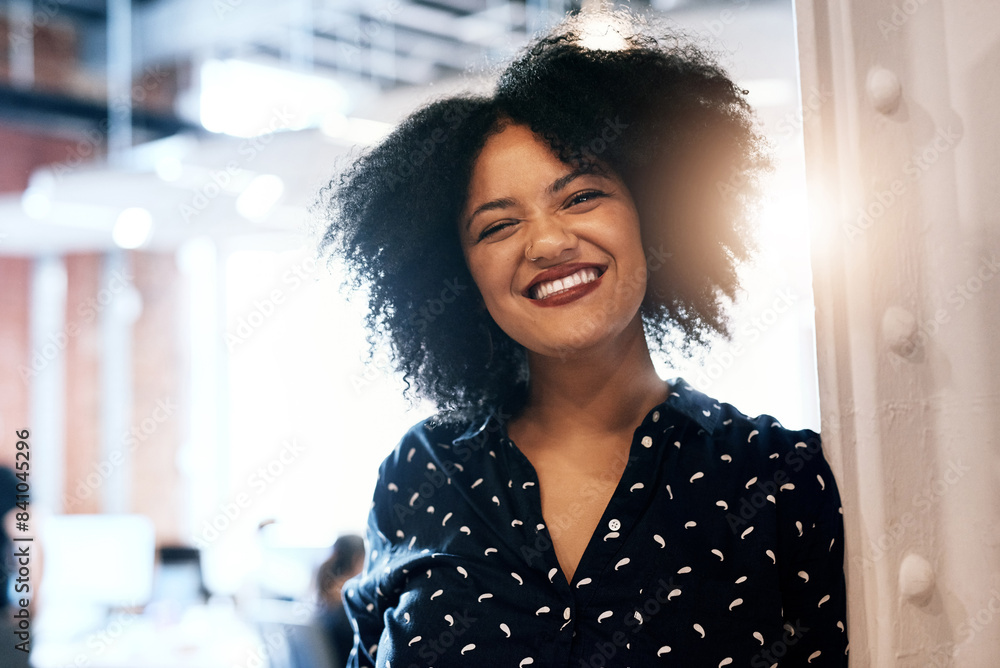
566,287
546,289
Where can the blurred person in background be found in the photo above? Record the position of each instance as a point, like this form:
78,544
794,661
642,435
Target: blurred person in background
345,562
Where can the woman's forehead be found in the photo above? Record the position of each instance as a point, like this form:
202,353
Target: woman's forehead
516,153
510,140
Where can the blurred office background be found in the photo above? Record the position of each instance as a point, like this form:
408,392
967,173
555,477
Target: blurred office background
204,417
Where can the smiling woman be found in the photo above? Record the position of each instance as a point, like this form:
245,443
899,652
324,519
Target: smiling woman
540,234
567,506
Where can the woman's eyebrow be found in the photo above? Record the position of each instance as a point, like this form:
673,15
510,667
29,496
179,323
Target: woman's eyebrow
492,205
564,181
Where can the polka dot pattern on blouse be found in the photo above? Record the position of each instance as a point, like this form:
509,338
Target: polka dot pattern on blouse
722,546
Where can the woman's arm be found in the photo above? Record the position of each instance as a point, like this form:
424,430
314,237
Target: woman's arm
811,561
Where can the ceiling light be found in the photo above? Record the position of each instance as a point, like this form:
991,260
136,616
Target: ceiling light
248,100
260,196
36,200
36,203
602,32
133,227
355,130
169,168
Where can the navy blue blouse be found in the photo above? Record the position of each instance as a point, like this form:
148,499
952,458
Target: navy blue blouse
722,546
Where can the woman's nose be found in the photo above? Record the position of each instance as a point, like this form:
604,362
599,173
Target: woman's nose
551,240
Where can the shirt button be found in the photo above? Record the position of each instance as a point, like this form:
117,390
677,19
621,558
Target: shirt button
614,525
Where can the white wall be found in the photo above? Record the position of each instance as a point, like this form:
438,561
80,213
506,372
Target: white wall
906,242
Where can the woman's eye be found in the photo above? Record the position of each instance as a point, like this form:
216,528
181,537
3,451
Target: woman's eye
585,196
493,229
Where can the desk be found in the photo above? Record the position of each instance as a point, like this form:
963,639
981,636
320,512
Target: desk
202,637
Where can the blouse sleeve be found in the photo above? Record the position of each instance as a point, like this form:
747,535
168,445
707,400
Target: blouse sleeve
811,560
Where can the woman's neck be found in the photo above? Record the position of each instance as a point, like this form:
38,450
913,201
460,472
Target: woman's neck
603,391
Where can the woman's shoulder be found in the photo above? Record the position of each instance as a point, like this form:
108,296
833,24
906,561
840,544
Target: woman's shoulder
765,429
762,436
690,400
426,469
432,442
788,464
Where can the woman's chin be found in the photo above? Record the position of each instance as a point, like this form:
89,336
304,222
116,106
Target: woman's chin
572,348
583,337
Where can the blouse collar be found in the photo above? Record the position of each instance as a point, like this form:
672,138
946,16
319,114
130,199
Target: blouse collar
683,400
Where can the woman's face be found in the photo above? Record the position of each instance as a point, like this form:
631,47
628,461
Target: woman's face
556,252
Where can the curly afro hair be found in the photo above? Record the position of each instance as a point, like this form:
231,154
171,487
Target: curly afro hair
658,112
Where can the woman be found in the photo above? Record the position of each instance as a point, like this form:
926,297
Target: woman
567,507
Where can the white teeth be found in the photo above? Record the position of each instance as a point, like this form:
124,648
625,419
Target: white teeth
549,288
